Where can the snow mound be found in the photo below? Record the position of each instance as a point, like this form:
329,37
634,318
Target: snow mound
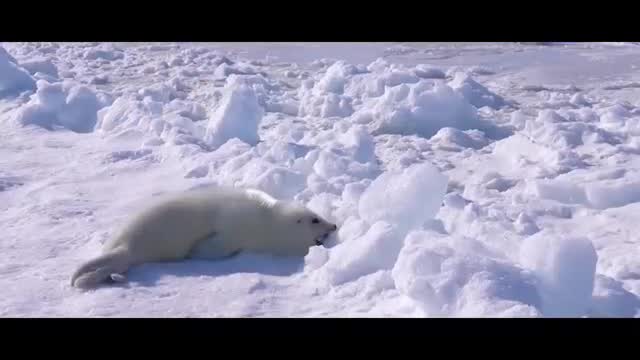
40,65
326,105
325,97
316,258
452,277
224,70
4,54
519,153
158,92
279,181
614,117
400,50
603,195
550,128
558,190
455,140
480,70
393,206
338,90
118,156
13,78
73,107
190,110
374,251
178,130
106,52
565,268
598,194
128,114
146,121
579,99
406,199
330,164
611,299
525,225
238,116
422,109
381,76
428,72
476,94
360,143
334,78
99,80
473,70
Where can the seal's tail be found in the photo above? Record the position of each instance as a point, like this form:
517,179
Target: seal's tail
107,267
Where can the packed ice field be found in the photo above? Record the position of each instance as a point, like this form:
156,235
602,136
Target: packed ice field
467,180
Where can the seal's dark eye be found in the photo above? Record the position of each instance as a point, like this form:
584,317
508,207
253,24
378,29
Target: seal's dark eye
315,220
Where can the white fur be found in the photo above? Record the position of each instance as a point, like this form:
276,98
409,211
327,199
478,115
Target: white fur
209,223
261,196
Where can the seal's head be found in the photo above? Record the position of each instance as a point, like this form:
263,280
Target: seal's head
308,226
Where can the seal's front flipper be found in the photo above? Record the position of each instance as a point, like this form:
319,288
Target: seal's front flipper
101,270
210,248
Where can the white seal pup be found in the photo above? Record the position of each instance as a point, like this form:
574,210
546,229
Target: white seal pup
207,223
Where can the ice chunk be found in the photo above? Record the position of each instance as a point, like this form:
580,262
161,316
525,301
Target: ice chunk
565,268
422,109
360,142
450,276
478,95
73,107
453,139
428,72
406,199
40,65
376,250
610,298
13,78
106,52
238,116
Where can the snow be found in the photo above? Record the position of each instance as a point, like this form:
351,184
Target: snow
105,52
455,140
422,109
238,116
40,65
460,277
126,114
428,72
13,78
73,107
565,268
476,94
334,79
466,180
405,199
374,251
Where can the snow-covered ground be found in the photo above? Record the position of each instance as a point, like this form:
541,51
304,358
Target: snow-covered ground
467,180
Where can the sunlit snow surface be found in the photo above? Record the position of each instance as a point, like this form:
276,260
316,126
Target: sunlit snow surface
468,180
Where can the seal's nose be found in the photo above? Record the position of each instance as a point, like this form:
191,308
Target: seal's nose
334,228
